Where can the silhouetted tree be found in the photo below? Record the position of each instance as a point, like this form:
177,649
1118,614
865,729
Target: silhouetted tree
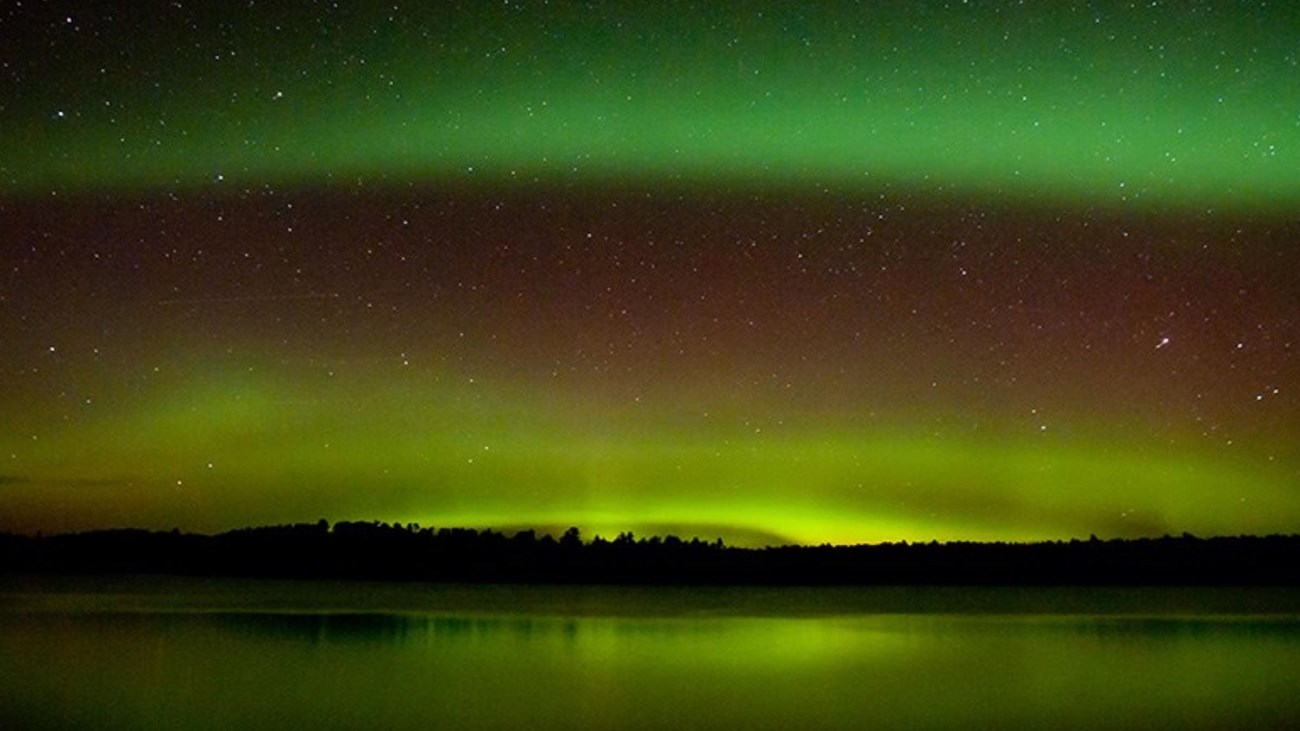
572,538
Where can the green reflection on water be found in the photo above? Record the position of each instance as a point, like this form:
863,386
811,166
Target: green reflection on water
165,668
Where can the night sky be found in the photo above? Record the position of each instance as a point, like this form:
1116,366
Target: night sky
843,272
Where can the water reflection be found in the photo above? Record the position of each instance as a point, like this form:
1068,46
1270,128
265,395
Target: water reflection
339,669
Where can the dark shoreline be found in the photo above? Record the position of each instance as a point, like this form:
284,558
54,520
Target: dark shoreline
377,551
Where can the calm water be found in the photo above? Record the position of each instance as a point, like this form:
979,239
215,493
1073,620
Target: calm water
149,653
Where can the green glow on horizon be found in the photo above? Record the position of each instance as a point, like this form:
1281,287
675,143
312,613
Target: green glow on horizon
1122,107
247,450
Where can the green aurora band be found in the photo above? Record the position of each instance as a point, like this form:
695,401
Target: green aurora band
248,450
1115,106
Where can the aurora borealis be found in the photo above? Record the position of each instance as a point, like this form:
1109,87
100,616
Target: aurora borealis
826,272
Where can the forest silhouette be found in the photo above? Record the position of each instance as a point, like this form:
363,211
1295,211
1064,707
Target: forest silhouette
384,551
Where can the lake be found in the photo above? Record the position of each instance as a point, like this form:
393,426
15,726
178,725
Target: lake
154,653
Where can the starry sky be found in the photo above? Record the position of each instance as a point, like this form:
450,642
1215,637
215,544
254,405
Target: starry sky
816,272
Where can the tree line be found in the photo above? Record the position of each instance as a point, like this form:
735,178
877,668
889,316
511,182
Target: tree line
389,551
